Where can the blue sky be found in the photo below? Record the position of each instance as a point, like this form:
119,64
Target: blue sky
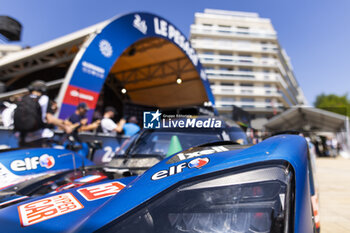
315,34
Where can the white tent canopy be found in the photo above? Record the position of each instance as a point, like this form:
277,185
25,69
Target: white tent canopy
307,119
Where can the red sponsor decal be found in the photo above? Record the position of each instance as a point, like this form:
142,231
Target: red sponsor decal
75,95
101,190
47,208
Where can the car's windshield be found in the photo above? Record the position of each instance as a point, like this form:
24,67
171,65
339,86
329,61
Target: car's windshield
167,142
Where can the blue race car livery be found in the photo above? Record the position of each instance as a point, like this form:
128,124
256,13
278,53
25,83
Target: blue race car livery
209,188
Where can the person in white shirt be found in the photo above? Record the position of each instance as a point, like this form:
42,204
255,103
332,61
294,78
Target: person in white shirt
108,125
7,114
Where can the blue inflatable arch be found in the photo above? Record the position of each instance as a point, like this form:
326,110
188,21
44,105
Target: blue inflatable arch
140,55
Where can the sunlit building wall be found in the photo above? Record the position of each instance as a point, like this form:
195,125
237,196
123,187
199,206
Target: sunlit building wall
245,63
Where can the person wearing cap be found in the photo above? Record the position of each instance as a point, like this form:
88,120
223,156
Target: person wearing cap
37,90
108,125
79,121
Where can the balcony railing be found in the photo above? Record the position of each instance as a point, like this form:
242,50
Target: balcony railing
255,104
242,75
235,32
245,91
238,60
233,46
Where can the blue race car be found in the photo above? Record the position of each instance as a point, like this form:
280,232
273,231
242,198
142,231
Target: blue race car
18,165
215,187
141,153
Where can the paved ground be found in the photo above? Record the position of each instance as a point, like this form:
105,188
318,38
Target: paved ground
334,184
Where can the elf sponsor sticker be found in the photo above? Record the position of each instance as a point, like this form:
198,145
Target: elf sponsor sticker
101,190
47,208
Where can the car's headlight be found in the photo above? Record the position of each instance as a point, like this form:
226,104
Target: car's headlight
256,200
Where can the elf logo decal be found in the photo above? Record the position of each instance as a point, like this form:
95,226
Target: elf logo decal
44,209
195,163
32,163
198,163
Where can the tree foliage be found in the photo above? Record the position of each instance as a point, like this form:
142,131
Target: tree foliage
334,103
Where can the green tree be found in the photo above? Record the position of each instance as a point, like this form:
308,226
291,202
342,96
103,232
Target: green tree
334,103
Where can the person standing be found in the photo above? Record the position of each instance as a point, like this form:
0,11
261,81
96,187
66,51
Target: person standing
108,125
31,117
131,128
79,121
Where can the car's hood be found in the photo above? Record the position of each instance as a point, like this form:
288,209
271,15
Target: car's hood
79,211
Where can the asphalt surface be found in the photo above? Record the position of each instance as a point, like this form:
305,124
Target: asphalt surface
333,177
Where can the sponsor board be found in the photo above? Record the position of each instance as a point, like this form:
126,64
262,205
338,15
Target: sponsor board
93,70
173,170
32,163
47,208
77,95
165,29
106,44
99,191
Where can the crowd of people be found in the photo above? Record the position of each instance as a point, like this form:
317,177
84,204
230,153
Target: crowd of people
33,117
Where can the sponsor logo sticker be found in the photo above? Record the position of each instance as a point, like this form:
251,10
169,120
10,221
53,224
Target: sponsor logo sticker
47,208
47,161
198,163
195,163
101,190
31,163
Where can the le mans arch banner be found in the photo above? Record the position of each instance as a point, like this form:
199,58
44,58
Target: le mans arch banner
90,68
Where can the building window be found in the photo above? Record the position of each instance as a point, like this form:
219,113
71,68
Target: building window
267,100
245,55
246,85
243,27
227,84
246,69
267,85
247,99
225,54
247,106
227,99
